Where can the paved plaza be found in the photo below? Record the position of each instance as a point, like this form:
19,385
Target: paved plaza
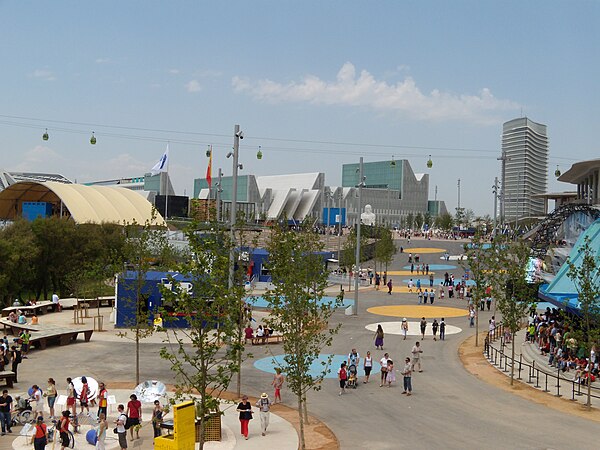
451,407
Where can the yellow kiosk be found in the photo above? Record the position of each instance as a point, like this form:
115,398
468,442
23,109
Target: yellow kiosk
184,429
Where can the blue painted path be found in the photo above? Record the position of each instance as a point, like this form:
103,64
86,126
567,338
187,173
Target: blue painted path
269,363
434,267
260,302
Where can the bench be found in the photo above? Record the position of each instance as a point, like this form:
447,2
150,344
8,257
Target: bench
272,339
8,377
38,309
42,335
16,328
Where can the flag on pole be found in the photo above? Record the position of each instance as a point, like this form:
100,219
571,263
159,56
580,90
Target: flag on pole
163,163
209,170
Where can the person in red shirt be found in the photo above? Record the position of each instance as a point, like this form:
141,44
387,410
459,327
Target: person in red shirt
134,415
40,437
64,430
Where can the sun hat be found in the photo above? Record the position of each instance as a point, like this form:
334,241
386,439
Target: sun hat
404,320
264,395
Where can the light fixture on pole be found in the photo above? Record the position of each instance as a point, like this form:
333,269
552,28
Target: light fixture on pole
361,184
93,139
45,136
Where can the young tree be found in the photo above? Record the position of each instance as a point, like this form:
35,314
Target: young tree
200,360
419,221
410,220
385,248
146,248
478,264
584,271
299,279
444,222
508,261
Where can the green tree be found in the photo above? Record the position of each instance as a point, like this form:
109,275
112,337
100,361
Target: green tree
410,220
18,256
428,220
146,248
385,248
478,262
444,222
513,294
198,358
584,271
419,221
299,280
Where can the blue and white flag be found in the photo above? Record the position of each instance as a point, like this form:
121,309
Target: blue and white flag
163,163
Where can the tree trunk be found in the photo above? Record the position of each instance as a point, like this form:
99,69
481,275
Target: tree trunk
305,409
477,327
302,444
137,356
512,356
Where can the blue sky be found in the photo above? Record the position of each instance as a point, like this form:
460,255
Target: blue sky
315,84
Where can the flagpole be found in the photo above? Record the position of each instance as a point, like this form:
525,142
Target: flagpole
167,187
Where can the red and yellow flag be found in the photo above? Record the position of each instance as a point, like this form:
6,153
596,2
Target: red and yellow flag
209,170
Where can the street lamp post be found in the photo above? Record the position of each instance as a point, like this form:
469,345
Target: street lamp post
495,191
218,195
361,182
341,197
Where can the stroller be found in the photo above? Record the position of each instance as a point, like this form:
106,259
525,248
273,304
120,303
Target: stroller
352,377
22,413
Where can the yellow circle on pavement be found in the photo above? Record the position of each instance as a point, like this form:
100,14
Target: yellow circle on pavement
424,250
417,311
404,272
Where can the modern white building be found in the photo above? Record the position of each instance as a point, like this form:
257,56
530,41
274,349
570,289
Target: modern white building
524,169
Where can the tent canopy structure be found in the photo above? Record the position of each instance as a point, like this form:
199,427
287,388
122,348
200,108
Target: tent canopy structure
84,204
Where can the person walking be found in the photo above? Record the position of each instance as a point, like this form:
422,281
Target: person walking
425,296
442,330
64,430
431,280
40,436
367,366
379,338
423,326
383,363
277,383
157,418
51,394
434,328
101,431
38,400
390,285
83,396
404,327
121,431
420,296
134,415
391,373
71,401
264,408
471,317
407,374
16,358
6,402
245,410
342,377
416,359
432,296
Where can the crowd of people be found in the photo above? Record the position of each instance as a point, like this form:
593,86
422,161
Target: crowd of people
554,338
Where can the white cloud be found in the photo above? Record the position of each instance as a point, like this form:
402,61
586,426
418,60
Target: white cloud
102,60
193,86
174,71
38,157
364,90
43,74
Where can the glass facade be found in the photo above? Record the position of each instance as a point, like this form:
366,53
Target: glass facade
226,185
379,175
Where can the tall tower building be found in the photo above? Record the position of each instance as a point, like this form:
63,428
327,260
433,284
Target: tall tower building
525,168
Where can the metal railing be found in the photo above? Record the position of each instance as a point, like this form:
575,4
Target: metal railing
532,373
